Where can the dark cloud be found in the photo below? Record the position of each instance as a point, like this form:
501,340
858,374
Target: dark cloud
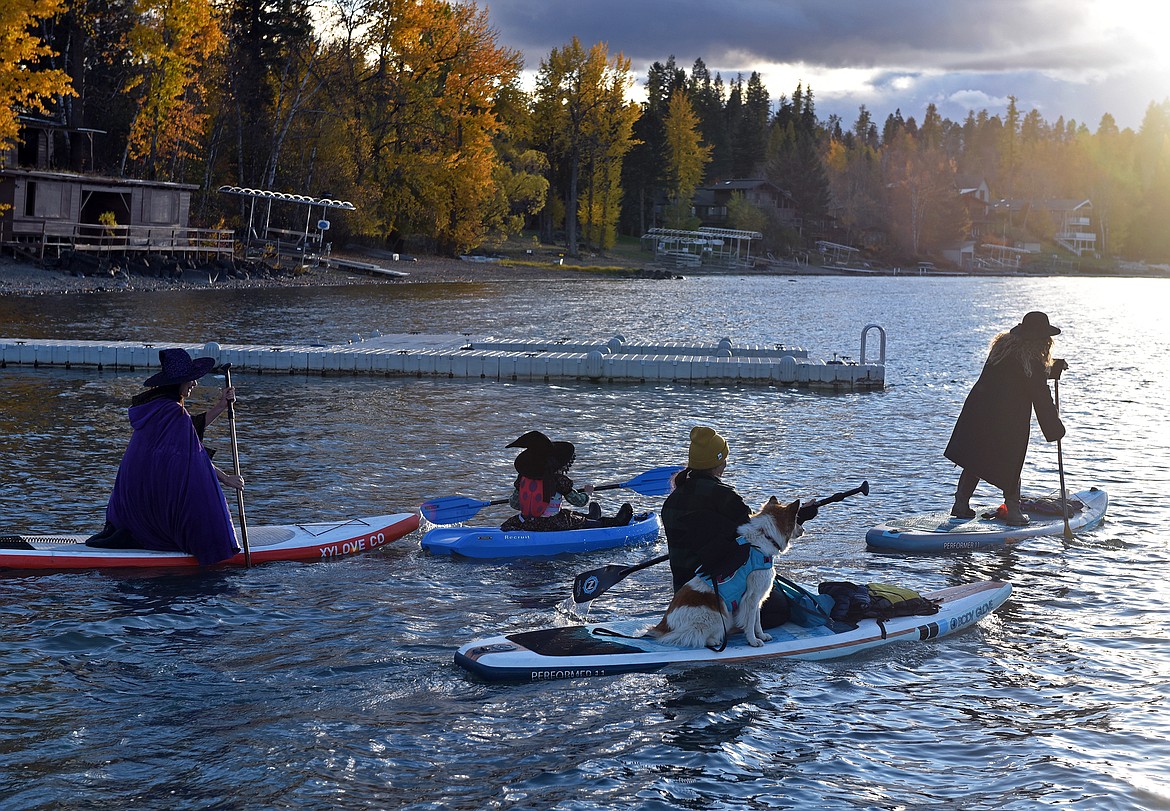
923,50
833,33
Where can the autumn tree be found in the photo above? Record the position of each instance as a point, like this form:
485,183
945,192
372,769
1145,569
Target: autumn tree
414,91
585,126
853,169
921,194
172,43
25,82
686,155
522,172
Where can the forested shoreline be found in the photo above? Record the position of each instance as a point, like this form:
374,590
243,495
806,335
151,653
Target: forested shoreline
415,112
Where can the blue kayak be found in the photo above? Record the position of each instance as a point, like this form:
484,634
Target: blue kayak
492,542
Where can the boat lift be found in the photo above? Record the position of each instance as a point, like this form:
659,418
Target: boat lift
723,247
286,241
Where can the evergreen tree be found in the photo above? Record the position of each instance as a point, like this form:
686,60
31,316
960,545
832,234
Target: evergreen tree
751,132
794,160
642,171
707,97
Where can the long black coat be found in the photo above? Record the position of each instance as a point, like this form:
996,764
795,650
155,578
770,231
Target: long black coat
702,518
990,438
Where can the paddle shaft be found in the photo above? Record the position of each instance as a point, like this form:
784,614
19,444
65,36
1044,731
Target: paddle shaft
1068,536
833,499
227,377
609,576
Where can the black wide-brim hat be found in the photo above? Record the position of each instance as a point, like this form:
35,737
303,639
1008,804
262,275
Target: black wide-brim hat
541,455
179,368
1035,324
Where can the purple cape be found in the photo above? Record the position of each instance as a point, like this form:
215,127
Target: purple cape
166,494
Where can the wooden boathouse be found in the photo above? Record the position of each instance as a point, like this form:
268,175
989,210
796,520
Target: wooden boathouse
44,214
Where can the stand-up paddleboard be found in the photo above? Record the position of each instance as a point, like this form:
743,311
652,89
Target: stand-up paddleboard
608,649
318,541
941,532
491,542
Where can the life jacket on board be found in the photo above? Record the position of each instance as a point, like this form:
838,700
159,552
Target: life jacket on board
533,503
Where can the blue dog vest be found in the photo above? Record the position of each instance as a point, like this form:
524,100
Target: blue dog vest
732,587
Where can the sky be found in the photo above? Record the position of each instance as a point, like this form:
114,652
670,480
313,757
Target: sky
1076,59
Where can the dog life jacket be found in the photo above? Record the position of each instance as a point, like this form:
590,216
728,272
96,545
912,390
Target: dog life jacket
533,503
732,587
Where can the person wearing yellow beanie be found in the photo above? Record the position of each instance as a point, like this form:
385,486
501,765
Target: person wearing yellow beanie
702,517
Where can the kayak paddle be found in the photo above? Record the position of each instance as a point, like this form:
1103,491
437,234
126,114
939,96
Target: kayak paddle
456,509
592,584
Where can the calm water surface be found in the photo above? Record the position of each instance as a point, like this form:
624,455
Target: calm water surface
326,686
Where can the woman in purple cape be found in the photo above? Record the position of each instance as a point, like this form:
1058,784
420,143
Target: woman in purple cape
167,494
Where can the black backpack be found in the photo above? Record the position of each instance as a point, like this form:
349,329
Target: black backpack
879,601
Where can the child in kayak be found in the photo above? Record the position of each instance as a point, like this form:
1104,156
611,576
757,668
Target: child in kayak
543,486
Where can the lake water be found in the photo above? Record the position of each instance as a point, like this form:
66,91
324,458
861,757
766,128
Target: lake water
331,685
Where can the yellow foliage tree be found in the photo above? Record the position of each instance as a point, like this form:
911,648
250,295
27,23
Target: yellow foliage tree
22,85
687,155
420,114
585,125
172,43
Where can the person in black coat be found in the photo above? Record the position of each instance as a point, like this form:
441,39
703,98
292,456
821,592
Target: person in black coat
990,438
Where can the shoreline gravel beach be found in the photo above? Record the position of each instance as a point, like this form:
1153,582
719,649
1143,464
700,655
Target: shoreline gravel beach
20,277
23,278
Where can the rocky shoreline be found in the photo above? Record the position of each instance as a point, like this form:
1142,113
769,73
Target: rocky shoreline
23,278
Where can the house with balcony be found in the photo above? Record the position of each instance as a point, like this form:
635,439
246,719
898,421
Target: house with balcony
710,202
1074,225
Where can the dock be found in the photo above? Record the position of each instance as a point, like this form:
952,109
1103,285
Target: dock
591,358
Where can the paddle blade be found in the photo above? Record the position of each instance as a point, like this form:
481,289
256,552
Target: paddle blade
654,482
451,509
590,585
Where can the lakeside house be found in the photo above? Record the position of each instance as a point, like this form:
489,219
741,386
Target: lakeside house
710,202
46,211
1003,233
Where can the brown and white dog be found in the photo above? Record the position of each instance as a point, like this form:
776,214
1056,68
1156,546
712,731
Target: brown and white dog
696,617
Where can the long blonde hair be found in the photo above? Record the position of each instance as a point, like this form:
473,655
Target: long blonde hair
1030,351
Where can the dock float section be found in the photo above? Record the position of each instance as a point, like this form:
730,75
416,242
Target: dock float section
612,360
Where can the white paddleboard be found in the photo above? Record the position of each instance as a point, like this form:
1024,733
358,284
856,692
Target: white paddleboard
607,649
317,541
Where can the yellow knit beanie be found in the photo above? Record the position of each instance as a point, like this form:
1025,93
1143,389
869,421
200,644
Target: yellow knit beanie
708,449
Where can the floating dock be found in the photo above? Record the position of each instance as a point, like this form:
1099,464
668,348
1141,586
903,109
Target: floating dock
608,360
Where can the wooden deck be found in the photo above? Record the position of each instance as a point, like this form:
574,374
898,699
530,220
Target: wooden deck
54,239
